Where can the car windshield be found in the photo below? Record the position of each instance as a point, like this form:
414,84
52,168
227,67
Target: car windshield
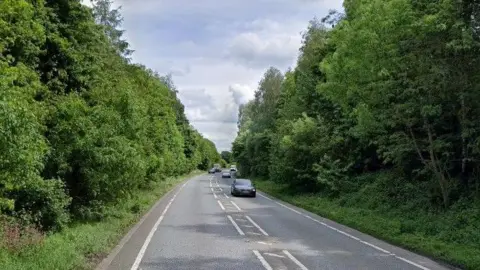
243,182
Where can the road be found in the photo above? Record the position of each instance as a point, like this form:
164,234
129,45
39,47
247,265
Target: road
198,225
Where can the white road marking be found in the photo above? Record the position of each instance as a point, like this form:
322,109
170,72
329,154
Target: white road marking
248,226
143,249
262,260
211,184
226,196
254,233
235,225
214,195
265,197
351,236
273,255
236,206
221,205
241,219
264,243
297,262
412,263
256,225
298,212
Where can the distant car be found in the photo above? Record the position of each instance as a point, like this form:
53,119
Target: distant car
218,169
243,187
212,170
226,174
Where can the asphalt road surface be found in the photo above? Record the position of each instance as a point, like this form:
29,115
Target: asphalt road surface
198,225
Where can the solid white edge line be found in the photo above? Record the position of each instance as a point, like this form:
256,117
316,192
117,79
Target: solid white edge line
297,262
262,260
236,206
350,236
256,225
108,260
235,225
144,247
265,197
221,205
412,263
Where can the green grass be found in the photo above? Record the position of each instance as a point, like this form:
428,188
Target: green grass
440,236
82,246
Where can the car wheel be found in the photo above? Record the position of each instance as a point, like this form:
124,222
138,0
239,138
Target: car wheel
254,195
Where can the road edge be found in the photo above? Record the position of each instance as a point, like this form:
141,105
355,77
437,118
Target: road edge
344,228
105,263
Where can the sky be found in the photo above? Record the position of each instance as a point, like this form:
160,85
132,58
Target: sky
217,50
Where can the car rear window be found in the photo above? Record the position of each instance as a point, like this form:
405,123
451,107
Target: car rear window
243,182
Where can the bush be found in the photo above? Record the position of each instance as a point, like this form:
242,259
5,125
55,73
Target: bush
15,237
42,203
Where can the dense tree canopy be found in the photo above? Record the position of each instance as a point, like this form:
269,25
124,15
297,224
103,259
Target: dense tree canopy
81,127
394,85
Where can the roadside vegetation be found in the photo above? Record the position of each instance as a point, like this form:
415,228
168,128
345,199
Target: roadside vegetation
88,140
377,125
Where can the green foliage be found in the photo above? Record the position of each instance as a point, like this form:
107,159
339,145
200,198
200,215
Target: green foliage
395,86
227,156
80,127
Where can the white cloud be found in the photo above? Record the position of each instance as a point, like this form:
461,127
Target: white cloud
217,51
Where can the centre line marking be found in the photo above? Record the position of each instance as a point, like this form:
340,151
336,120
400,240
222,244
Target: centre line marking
144,247
274,255
262,260
297,262
235,225
256,225
214,195
221,205
236,206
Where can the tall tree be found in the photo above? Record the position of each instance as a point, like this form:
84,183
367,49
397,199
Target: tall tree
111,19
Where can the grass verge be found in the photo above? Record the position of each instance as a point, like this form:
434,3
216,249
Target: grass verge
82,246
407,231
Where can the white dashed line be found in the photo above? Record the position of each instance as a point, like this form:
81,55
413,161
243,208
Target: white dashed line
350,236
143,249
214,195
236,206
297,262
226,196
274,255
263,243
221,205
236,225
262,260
256,225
